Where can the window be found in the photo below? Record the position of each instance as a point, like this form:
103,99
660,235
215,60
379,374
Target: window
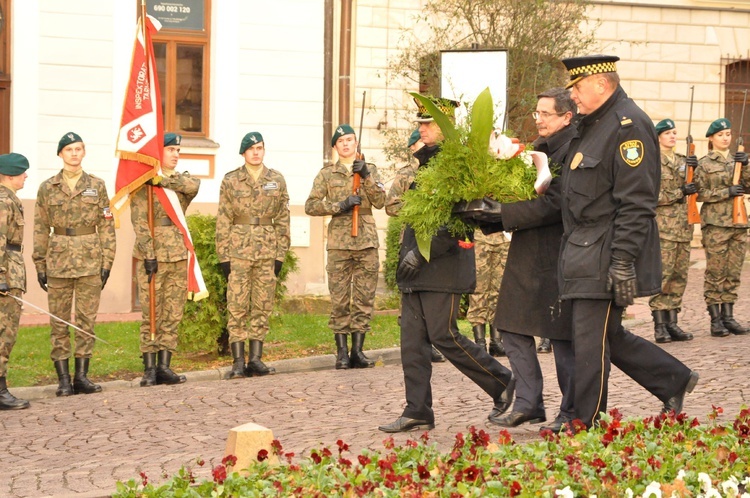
737,82
182,60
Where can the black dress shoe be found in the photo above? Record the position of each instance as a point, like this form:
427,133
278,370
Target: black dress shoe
514,419
557,424
437,356
675,402
406,424
544,346
505,400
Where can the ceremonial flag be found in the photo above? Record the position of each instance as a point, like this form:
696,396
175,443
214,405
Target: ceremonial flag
140,144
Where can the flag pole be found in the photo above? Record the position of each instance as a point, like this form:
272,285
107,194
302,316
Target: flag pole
150,190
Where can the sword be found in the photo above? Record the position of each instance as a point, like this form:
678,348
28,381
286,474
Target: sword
23,301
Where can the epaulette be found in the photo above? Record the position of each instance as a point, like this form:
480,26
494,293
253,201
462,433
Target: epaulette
624,120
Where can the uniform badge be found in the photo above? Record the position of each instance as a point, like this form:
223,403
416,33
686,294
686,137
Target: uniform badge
631,152
576,160
90,192
107,213
271,186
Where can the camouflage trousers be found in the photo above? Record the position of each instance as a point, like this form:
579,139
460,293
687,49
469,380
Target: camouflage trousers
725,252
60,293
352,282
10,317
250,294
675,262
170,282
490,263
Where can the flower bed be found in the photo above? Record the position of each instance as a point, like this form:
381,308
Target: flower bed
664,456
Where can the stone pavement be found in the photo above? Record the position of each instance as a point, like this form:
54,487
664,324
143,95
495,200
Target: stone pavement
81,446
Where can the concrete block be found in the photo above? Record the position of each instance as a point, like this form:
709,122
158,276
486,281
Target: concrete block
245,441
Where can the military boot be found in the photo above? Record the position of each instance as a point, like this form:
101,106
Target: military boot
64,388
238,366
496,342
149,370
8,401
661,335
480,332
674,330
254,365
727,318
358,358
164,374
81,383
717,326
342,353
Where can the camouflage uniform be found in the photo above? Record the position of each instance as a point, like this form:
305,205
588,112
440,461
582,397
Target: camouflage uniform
491,251
252,230
74,240
675,234
12,271
167,247
352,261
404,178
724,242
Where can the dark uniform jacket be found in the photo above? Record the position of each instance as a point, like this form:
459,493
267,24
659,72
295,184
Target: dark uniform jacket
610,186
451,268
529,300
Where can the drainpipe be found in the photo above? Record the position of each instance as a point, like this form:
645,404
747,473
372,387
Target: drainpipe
327,80
345,48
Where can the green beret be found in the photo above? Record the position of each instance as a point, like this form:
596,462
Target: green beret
172,139
249,140
718,125
414,138
67,139
13,164
664,125
342,130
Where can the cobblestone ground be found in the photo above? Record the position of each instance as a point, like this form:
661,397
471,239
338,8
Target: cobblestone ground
84,444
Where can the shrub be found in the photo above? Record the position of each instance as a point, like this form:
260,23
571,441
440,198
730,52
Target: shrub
204,321
392,245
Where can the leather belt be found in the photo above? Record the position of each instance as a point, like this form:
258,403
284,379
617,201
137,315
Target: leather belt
163,222
362,211
14,247
252,220
72,232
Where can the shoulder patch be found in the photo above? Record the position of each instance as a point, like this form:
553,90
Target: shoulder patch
631,152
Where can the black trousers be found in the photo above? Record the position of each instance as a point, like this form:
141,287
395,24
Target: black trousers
429,318
599,339
521,351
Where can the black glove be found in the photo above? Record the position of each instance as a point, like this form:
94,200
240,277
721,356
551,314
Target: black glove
480,210
621,280
349,203
409,267
105,276
736,190
277,267
688,189
4,289
226,269
151,266
155,181
691,162
740,157
42,279
360,167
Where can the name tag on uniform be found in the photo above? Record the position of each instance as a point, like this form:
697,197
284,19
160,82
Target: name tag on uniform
271,186
90,192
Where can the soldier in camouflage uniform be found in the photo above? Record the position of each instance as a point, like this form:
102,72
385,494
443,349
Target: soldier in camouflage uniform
163,259
674,236
352,261
74,247
723,241
491,251
12,271
252,239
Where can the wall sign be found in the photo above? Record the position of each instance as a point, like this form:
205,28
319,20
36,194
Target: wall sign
178,14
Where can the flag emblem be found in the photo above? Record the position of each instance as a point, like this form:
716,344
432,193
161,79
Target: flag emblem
135,134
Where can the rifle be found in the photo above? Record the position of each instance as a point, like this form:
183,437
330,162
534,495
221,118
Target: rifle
739,212
356,179
692,204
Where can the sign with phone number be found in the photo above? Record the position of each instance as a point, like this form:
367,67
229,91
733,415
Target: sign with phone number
178,14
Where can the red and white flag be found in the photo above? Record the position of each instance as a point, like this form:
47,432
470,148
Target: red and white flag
140,144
